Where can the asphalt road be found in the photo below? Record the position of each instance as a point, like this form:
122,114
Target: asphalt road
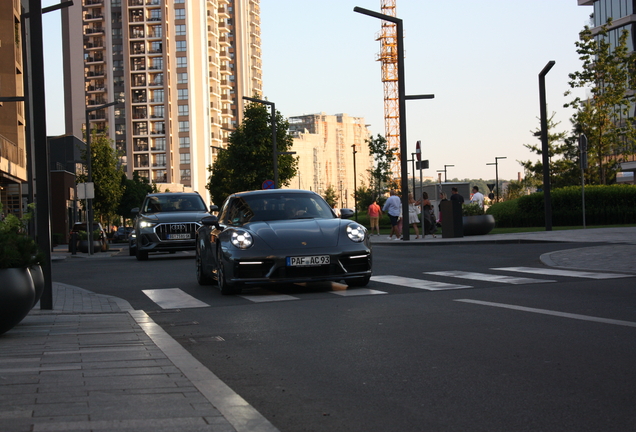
486,352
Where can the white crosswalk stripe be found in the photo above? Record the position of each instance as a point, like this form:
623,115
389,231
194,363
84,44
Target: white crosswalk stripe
489,277
417,283
562,272
173,298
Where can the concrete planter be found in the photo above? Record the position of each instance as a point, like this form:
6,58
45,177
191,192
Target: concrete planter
17,293
478,225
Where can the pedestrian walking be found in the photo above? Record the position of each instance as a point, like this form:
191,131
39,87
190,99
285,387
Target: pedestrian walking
455,196
374,211
413,219
477,197
393,207
428,216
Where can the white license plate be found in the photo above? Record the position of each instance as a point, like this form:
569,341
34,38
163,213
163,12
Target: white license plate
306,261
178,236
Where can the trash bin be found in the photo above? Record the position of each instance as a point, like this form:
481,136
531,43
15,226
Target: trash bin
452,219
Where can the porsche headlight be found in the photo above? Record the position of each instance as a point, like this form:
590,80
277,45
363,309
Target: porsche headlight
356,232
242,239
146,224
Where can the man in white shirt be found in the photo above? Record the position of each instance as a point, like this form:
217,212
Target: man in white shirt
478,197
393,206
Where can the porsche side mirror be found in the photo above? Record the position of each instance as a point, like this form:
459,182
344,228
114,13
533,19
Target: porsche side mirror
346,213
214,208
211,221
134,210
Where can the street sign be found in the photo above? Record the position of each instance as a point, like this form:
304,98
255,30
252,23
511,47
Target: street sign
86,190
421,165
418,152
269,184
491,186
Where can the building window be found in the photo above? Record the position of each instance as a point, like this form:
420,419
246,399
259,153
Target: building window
158,144
179,14
184,142
180,30
184,110
184,158
159,160
181,45
185,175
157,96
159,176
182,62
184,126
182,78
117,49
155,15
182,94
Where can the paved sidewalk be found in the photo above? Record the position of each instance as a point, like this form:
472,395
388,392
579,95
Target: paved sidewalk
95,364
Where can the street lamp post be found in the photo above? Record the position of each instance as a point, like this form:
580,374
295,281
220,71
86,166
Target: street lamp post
496,164
89,173
355,187
272,105
545,150
402,97
444,171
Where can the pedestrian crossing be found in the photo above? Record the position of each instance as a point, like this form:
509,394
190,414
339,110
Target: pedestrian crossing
175,298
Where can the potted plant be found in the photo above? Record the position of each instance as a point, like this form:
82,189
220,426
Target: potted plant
476,221
19,257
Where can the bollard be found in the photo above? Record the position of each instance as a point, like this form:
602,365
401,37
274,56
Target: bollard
73,243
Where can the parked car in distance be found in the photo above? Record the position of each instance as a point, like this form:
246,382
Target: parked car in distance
167,222
280,236
81,226
122,234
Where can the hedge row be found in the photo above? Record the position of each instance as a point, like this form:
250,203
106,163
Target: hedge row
604,205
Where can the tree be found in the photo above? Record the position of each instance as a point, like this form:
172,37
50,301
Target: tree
247,161
563,156
330,196
383,155
608,75
105,176
133,193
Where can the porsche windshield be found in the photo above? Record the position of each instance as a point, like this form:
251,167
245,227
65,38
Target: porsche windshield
276,206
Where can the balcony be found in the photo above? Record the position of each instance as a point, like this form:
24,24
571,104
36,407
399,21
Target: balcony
93,17
93,2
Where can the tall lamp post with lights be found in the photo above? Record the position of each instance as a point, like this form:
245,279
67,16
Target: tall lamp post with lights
89,172
496,164
444,171
402,98
355,187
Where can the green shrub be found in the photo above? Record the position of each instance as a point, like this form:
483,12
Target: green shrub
604,205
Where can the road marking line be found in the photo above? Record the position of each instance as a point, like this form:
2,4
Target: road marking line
357,292
553,313
264,298
417,283
489,277
173,298
560,272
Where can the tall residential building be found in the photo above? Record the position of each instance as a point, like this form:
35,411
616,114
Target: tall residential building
180,67
13,172
623,14
324,147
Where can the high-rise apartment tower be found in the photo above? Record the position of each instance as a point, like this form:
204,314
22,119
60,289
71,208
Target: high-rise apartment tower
180,69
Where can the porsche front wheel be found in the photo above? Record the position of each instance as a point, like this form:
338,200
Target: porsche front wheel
224,286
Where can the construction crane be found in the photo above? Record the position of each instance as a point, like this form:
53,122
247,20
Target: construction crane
388,57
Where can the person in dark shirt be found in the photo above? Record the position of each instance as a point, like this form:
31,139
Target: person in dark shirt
455,196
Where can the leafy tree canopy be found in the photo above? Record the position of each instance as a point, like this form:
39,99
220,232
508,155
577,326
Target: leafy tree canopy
608,75
105,174
247,161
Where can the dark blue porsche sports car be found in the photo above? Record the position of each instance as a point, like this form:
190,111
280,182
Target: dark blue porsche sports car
280,236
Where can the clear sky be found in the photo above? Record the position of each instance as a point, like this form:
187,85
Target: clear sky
481,60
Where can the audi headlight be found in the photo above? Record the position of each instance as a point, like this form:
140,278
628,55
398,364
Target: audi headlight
242,239
146,224
356,232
